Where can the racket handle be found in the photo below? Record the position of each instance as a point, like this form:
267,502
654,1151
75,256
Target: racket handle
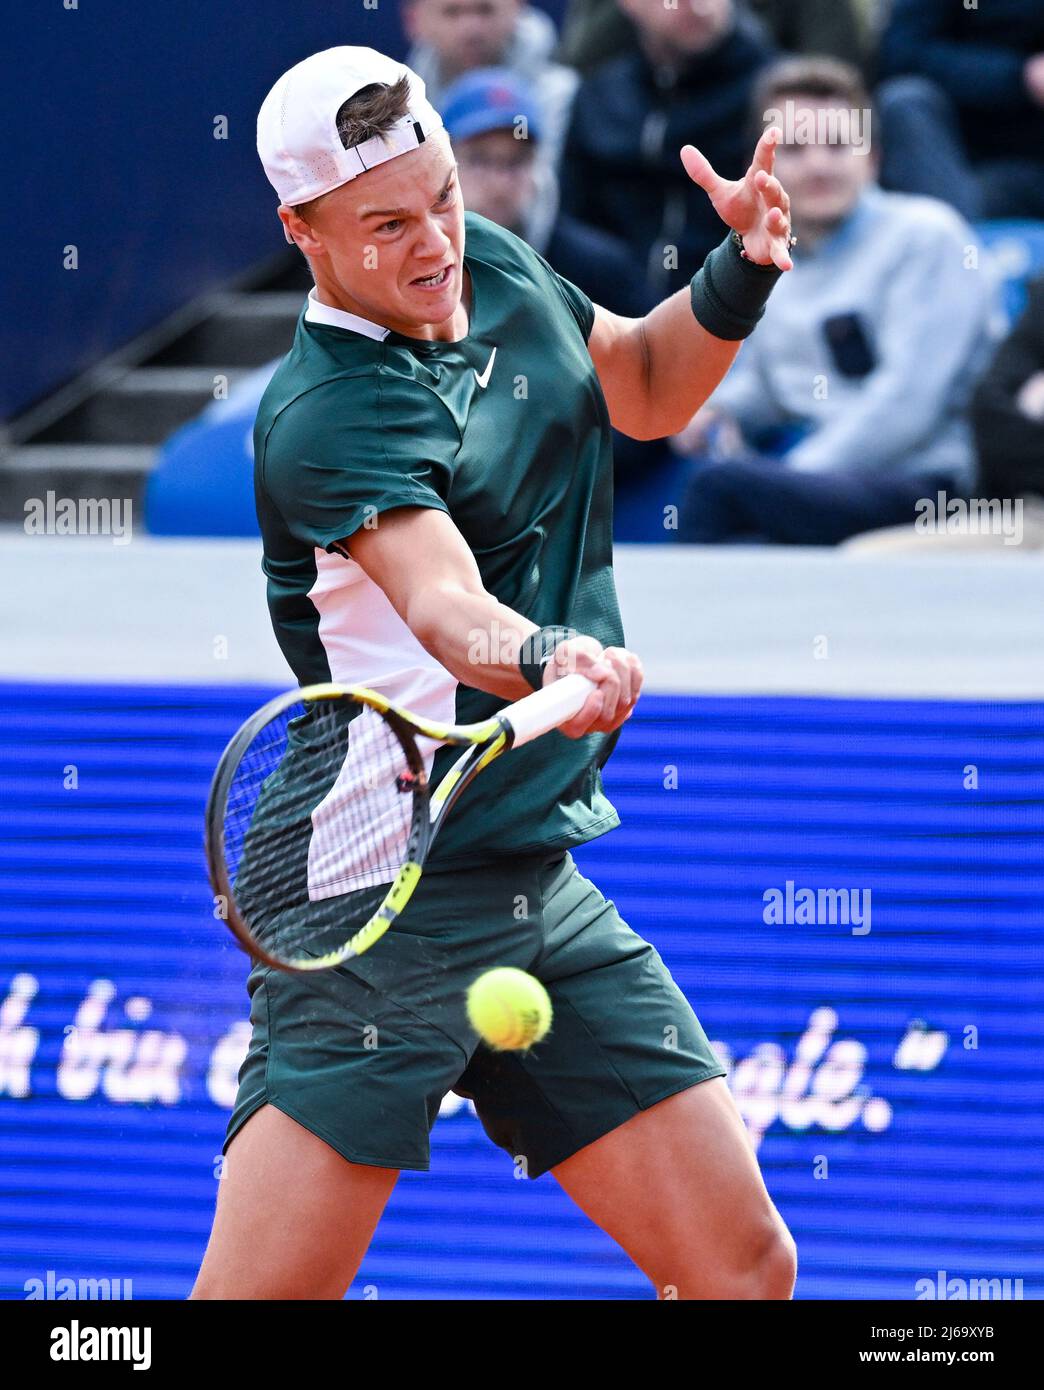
546,709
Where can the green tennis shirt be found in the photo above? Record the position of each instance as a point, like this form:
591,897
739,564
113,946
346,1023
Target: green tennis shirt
507,431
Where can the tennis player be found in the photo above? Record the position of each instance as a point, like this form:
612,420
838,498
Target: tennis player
434,488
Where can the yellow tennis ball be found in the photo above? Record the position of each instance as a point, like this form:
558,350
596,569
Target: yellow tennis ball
509,1009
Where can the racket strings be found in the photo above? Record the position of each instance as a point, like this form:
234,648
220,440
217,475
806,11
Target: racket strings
316,825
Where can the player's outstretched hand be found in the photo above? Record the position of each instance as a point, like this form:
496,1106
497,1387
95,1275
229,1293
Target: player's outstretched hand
616,672
756,205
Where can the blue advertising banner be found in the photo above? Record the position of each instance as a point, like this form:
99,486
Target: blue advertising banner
849,892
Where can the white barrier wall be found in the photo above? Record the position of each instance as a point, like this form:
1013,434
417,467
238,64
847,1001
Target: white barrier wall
727,620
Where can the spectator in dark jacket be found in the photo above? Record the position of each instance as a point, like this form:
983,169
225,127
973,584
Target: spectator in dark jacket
593,31
688,82
1008,409
963,109
596,30
830,28
497,128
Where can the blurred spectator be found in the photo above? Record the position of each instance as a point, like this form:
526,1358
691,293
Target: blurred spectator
596,30
833,28
688,80
502,178
963,111
452,37
848,403
1008,409
496,126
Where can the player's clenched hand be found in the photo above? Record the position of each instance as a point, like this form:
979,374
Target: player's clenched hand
616,672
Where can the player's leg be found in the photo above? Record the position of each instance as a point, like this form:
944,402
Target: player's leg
678,1187
294,1218
342,1081
626,1104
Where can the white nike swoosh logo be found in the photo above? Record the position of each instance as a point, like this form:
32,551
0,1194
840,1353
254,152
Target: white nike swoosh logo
483,380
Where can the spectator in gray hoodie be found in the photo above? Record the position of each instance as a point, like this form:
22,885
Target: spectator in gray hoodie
453,37
849,403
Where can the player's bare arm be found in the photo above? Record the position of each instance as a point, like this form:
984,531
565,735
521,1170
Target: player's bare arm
440,596
657,371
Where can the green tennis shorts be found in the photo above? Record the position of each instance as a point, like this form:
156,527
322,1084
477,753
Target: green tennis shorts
364,1055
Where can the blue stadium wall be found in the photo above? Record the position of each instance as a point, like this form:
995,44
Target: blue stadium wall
115,155
892,1079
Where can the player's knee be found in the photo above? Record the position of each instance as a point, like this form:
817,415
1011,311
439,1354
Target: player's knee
773,1266
762,1268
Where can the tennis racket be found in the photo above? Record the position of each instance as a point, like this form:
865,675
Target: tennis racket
321,814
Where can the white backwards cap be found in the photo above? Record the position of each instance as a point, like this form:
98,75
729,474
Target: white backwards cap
297,135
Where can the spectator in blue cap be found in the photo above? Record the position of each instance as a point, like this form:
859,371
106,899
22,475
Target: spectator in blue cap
497,129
